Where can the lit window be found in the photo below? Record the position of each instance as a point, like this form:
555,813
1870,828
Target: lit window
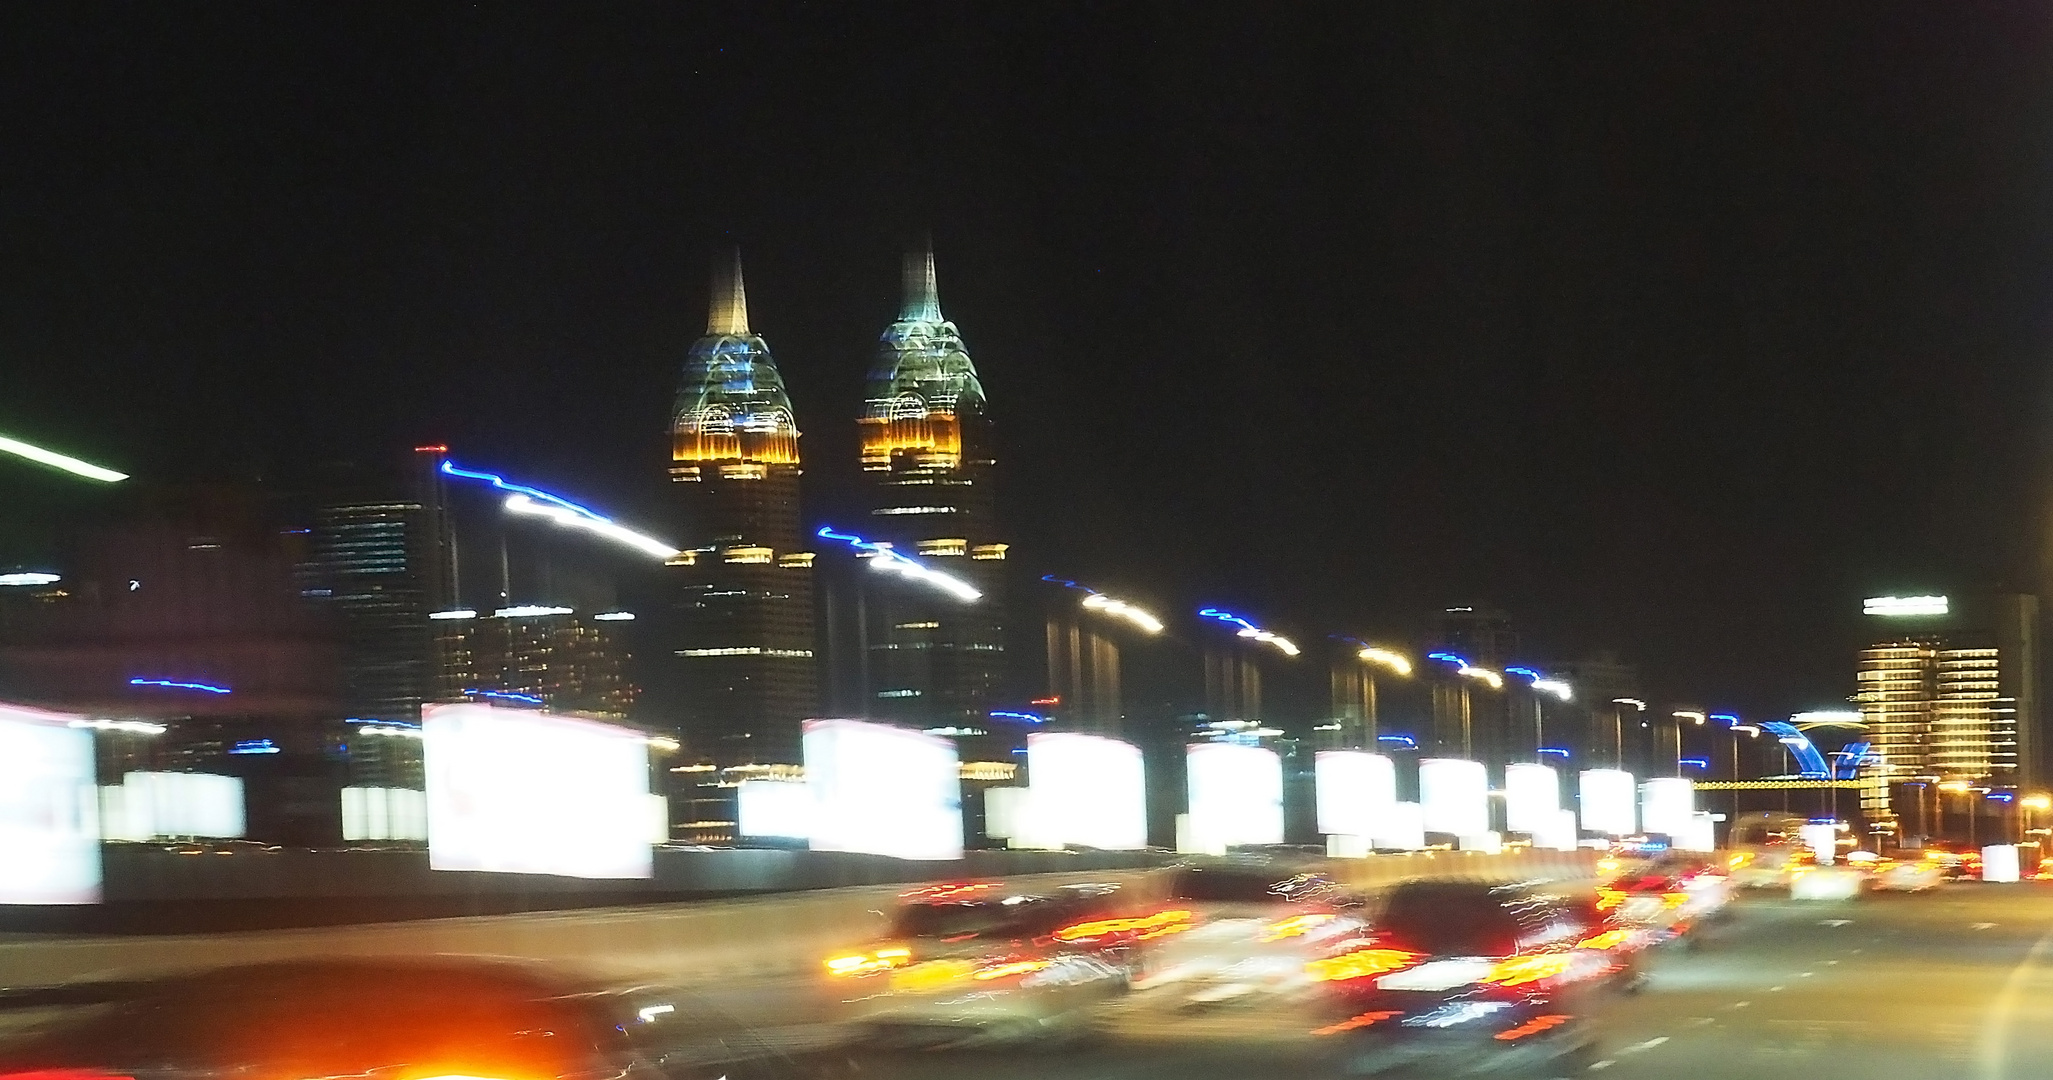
989,551
748,555
917,626
797,560
898,693
944,547
890,510
743,472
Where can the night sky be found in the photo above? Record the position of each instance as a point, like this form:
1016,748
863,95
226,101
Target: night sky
1674,330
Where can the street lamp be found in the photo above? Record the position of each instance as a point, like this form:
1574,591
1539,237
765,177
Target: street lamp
1471,672
2025,806
1373,657
1541,685
1679,715
1618,705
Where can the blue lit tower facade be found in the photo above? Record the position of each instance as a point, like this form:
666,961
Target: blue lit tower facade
928,466
737,664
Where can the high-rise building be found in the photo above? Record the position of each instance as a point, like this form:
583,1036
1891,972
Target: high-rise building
737,668
928,466
565,661
1950,693
382,558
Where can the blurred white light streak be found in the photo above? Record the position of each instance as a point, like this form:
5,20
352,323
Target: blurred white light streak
1121,609
521,504
56,460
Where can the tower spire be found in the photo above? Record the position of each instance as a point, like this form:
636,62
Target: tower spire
922,295
728,312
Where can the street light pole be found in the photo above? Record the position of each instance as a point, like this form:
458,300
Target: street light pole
1618,726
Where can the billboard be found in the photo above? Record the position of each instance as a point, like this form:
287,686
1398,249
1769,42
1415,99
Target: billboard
1236,795
153,805
883,790
1532,796
1354,790
1403,830
1086,791
774,809
522,792
1666,803
49,810
1607,802
1455,796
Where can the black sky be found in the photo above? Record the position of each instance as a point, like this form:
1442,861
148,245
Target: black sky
1670,328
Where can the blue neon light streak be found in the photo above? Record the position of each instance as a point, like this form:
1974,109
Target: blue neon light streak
1725,716
500,482
2001,796
171,685
1449,658
1562,750
1227,617
525,699
999,714
255,746
1525,671
1697,762
1405,739
1068,584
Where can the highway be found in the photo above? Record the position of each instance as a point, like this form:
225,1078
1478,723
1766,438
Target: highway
1957,983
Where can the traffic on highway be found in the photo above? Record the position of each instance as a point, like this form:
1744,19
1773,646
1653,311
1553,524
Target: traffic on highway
1245,966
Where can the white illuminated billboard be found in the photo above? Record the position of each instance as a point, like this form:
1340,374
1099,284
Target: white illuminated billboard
1999,864
161,805
379,813
521,792
1455,796
1607,802
1354,790
1532,796
1666,804
1086,791
774,809
1559,834
49,802
883,790
1236,795
1403,830
1702,834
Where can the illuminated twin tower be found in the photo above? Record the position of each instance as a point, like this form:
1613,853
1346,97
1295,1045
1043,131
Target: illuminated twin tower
742,667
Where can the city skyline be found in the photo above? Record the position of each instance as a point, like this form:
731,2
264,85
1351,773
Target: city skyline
1638,431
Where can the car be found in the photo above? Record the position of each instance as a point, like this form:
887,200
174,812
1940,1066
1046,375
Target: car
1669,898
421,1018
1253,926
976,962
1464,977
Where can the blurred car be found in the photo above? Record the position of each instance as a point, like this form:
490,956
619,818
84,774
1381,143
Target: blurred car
1905,875
1473,978
1253,926
421,1019
1668,898
976,962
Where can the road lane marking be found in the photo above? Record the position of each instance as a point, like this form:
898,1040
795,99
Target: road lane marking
1830,963
1648,1045
1604,1064
1835,922
1981,926
1996,1029
1773,989
1741,1004
1806,975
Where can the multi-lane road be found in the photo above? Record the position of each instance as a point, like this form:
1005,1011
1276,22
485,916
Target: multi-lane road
1957,983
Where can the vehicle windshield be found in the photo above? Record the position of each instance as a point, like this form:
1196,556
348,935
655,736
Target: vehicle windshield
1449,922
